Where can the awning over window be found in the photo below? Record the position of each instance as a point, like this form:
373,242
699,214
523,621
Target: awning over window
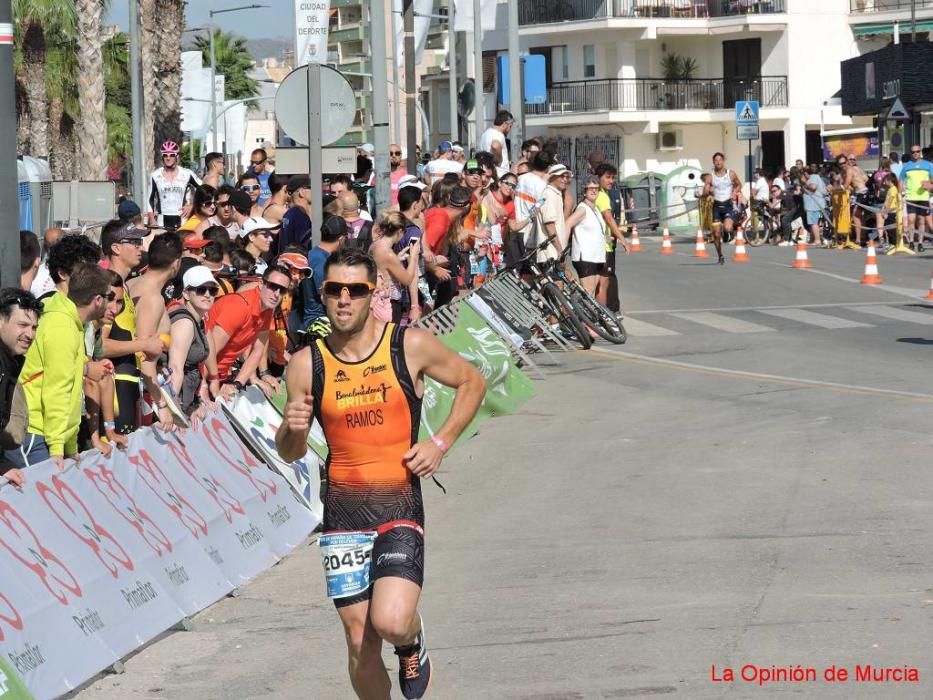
888,28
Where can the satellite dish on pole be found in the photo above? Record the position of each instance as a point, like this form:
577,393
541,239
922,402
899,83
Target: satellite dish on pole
466,100
338,105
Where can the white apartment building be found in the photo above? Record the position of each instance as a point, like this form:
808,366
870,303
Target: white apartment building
612,73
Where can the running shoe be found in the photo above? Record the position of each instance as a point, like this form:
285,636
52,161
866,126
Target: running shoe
414,672
722,260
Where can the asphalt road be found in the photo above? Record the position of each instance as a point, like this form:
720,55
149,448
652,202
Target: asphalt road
746,482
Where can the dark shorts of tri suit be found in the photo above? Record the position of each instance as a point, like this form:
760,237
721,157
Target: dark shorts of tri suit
588,269
918,206
128,396
398,552
169,221
723,211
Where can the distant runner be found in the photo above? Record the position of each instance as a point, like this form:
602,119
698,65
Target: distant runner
364,384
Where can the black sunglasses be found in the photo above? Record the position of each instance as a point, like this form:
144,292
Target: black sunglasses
355,290
251,188
257,162
204,289
395,153
135,242
223,204
275,287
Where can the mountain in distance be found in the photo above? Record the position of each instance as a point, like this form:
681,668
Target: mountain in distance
261,49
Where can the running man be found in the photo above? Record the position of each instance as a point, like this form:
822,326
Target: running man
364,384
727,188
917,180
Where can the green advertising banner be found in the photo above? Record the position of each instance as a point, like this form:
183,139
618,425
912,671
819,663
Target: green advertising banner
507,387
11,687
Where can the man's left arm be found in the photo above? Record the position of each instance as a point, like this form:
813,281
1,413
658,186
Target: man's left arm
257,352
425,354
496,148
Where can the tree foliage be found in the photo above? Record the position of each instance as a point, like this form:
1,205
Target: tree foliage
233,61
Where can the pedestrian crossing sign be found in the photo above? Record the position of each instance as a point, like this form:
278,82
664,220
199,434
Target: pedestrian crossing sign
746,113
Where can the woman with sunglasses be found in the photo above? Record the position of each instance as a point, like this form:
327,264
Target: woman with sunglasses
191,345
249,183
204,210
256,239
588,251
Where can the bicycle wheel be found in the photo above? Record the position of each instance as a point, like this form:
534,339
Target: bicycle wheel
600,319
566,315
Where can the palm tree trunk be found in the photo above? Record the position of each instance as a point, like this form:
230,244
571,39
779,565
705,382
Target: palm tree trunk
36,95
148,51
92,131
168,75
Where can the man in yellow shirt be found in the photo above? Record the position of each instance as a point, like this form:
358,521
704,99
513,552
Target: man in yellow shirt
55,367
606,174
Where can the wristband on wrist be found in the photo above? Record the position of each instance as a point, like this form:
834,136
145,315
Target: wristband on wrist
110,425
238,385
265,373
441,445
86,368
213,377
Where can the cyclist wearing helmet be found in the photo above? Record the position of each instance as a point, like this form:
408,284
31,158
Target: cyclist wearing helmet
170,189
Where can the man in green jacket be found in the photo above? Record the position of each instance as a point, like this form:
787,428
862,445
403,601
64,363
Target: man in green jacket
53,374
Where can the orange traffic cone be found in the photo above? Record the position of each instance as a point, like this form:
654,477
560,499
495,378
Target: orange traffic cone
801,262
929,296
741,255
666,247
700,251
871,275
635,245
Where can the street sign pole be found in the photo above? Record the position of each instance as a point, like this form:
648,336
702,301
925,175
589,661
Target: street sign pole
411,87
747,129
377,38
314,151
516,89
9,194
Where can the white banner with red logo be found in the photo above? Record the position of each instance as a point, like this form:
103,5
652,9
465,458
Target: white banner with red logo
100,558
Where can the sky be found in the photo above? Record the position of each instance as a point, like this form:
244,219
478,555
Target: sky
268,23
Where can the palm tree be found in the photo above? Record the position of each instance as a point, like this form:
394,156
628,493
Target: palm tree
170,28
91,91
33,19
148,52
233,61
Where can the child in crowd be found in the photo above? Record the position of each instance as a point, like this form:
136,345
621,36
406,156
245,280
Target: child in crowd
891,217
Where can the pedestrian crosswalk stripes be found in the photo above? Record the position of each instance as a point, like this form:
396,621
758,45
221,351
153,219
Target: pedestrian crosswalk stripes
720,322
812,318
645,330
836,317
896,314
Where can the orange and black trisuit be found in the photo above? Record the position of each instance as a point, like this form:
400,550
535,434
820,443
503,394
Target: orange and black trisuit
370,413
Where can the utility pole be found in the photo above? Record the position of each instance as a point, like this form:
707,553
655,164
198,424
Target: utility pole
136,107
377,38
210,30
480,114
516,85
452,73
411,88
9,182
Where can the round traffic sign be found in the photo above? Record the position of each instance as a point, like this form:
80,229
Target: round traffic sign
338,105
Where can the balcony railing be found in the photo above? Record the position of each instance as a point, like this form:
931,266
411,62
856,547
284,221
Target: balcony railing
553,11
645,94
886,5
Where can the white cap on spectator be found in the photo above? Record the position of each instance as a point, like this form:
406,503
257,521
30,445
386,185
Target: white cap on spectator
257,223
367,148
457,148
198,276
411,181
557,170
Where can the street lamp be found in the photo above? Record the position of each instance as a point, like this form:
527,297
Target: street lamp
211,29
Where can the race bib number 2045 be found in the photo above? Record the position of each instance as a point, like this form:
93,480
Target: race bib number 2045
347,557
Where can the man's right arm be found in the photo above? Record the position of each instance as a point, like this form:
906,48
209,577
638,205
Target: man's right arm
291,439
